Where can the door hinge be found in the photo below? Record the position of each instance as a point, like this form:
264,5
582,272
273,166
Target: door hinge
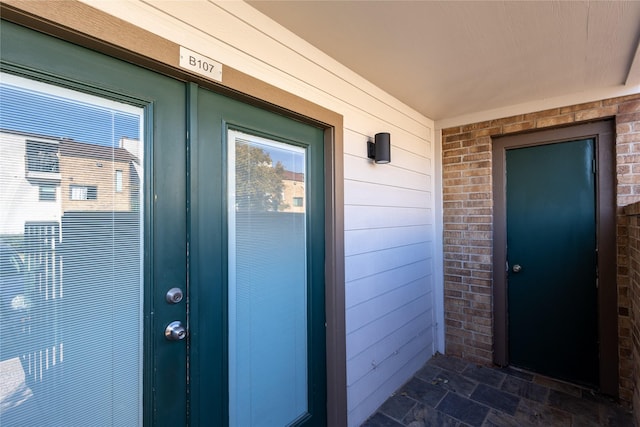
594,166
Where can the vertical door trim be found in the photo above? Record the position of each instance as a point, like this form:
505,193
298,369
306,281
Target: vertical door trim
603,133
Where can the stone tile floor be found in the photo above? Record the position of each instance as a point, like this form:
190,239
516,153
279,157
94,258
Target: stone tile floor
450,392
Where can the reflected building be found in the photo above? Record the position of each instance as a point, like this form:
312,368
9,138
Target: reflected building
57,196
99,178
44,177
30,176
293,192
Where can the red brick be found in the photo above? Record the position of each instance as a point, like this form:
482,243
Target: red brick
628,117
628,138
479,344
508,120
541,114
597,113
481,289
475,126
620,99
449,160
581,107
451,146
518,127
629,107
451,131
624,128
555,120
496,130
457,137
476,157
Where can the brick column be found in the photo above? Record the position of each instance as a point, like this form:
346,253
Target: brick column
633,216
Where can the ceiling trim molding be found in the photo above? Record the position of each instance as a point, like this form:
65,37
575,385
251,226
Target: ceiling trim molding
633,76
543,104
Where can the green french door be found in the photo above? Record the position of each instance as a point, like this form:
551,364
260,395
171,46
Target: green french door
162,249
552,260
257,282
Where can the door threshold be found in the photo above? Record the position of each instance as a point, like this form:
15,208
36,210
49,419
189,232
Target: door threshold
558,384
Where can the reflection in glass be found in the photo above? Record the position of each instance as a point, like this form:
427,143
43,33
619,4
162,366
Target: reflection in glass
267,282
70,264
265,184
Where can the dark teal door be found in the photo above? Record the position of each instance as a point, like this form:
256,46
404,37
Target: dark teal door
551,253
199,192
256,244
114,243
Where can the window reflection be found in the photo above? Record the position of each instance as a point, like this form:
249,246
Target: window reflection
265,184
267,281
70,264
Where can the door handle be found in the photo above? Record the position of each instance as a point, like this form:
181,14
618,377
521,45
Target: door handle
175,331
517,268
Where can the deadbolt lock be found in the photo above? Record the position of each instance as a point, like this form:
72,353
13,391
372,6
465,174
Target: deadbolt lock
174,295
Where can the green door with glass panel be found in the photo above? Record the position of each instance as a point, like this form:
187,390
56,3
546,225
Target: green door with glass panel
93,221
161,249
551,253
257,266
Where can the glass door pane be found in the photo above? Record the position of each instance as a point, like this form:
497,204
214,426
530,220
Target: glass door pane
71,239
267,281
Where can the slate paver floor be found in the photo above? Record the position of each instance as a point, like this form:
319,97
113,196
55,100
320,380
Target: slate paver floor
449,392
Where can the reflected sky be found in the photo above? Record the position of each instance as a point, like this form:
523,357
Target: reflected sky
293,161
49,115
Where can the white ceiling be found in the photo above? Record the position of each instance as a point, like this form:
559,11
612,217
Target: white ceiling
448,58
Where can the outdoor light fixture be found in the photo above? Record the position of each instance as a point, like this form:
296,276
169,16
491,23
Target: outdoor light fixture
380,150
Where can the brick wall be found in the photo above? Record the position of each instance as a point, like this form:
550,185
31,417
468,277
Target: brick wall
468,218
101,174
633,212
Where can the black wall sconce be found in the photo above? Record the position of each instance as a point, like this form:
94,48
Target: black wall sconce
379,150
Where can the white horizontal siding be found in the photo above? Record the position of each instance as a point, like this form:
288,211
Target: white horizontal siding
383,351
368,194
406,342
369,287
369,311
372,263
364,240
370,217
389,209
384,324
357,169
382,382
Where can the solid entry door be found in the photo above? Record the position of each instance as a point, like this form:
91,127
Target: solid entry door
256,244
551,259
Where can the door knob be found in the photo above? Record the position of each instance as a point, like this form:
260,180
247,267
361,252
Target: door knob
517,268
175,331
